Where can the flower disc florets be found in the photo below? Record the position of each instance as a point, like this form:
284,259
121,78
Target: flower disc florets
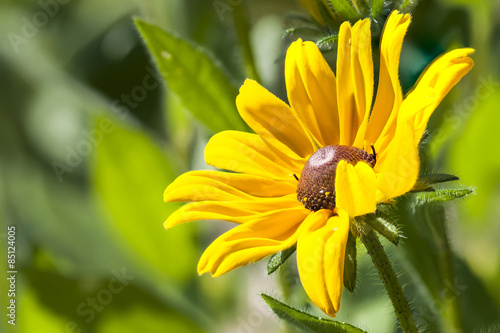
316,188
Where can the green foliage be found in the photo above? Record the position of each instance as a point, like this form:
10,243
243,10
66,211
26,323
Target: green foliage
106,211
439,196
350,263
344,8
376,8
279,258
203,87
383,224
135,204
306,321
424,182
437,276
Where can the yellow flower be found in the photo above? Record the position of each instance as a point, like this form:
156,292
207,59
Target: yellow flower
295,154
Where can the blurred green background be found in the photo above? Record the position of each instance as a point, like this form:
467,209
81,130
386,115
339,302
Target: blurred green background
90,136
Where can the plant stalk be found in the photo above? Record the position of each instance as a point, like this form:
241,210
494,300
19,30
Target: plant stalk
389,278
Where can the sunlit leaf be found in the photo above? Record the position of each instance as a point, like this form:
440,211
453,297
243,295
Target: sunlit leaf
130,174
306,321
136,318
203,87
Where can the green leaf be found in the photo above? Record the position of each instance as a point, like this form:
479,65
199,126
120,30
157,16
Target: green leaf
350,263
438,178
306,321
203,87
427,250
424,182
326,42
384,226
279,258
344,8
439,196
130,174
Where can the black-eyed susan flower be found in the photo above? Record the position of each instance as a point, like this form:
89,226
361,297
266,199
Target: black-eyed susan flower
314,164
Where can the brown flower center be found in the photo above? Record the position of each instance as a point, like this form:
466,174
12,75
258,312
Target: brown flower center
316,188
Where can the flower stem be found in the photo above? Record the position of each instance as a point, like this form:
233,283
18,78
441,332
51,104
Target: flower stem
389,278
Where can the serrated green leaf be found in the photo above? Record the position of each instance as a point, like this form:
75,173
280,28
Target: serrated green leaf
307,321
350,263
203,87
442,195
279,258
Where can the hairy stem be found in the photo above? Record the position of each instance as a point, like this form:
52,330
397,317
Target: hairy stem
389,278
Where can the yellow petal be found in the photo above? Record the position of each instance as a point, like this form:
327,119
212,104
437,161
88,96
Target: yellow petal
273,120
223,186
355,188
382,121
433,85
252,241
311,90
247,153
345,86
238,211
398,166
320,258
362,72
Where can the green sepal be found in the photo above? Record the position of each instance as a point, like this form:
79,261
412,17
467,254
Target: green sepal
204,88
440,196
307,321
328,41
350,263
383,224
425,182
279,258
344,8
